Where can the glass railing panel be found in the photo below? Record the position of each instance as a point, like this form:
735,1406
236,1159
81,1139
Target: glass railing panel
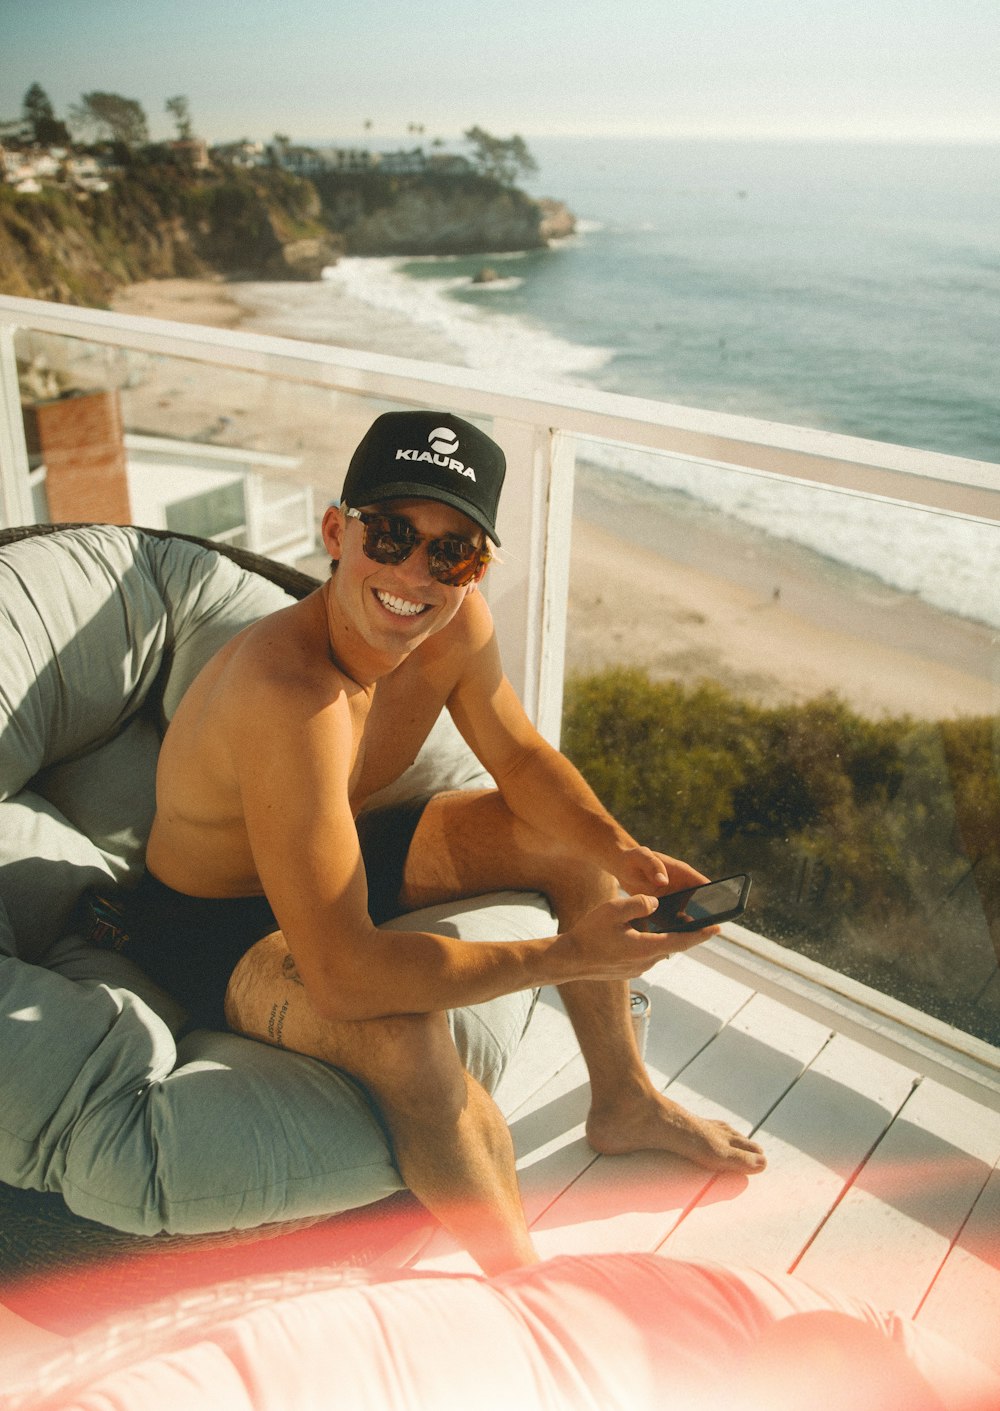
245,457
130,437
804,684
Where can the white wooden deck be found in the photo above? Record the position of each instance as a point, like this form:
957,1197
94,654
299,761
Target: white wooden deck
883,1175
883,1147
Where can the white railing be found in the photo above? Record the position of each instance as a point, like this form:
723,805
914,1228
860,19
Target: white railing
279,520
537,427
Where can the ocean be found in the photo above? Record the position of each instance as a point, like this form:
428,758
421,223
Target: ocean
848,287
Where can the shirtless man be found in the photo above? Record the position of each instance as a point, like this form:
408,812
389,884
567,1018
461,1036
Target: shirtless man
272,752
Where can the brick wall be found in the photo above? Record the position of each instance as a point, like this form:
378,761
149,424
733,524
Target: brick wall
80,440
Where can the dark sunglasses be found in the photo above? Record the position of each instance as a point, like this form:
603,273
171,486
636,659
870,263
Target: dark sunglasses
391,538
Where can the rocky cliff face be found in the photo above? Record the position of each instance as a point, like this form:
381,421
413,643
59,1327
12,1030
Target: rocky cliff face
51,248
436,215
158,222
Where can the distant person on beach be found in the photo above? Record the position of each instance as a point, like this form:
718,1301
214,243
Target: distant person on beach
257,842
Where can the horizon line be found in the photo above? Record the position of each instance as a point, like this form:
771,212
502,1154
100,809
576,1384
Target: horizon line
372,141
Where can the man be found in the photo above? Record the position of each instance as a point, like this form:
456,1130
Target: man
272,753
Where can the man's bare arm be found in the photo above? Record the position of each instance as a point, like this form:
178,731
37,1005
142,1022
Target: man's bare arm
539,784
296,753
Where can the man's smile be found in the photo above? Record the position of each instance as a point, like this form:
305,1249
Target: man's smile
402,607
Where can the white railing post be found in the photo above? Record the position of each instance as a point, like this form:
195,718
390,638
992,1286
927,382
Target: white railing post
254,512
528,591
15,490
555,602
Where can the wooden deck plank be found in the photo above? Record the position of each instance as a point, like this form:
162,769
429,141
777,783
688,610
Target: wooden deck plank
632,1202
548,1128
547,1047
890,1235
820,1103
688,1009
964,1301
815,1140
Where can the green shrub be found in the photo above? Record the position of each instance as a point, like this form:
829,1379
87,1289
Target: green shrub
874,845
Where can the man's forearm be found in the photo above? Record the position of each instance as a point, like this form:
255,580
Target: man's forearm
417,972
414,972
548,792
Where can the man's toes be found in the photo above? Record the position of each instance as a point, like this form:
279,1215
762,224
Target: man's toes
742,1152
749,1155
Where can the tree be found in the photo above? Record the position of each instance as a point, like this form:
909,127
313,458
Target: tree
502,158
180,111
39,117
109,115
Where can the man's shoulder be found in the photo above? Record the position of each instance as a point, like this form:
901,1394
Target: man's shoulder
471,626
281,661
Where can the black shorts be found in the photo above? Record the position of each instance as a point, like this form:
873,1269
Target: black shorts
191,945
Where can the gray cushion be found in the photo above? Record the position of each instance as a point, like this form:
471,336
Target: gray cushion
45,865
101,631
215,1132
85,617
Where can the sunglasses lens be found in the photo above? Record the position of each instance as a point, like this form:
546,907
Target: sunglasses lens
454,562
388,540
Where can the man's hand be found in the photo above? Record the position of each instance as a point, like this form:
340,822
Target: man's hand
640,871
605,945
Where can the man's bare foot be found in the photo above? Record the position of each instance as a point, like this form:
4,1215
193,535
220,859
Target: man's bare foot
655,1123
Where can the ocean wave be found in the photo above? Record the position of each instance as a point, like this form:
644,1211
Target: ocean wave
487,340
492,286
949,561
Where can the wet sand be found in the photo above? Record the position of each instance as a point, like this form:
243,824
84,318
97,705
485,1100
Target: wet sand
692,594
208,301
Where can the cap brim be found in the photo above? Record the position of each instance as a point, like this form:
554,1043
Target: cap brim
420,490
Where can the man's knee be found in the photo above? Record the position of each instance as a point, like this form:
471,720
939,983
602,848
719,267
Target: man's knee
411,1064
406,1061
469,842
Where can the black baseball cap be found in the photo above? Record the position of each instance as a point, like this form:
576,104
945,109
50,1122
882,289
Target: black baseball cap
428,456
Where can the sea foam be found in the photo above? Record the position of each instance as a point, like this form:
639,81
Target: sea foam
485,339
949,561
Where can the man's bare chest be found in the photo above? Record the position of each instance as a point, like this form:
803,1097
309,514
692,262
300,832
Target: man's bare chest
398,720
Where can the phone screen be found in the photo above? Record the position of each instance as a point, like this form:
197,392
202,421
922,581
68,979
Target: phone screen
696,907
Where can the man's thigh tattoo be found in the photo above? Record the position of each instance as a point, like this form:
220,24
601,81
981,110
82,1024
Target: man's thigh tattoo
279,1011
290,970
276,1023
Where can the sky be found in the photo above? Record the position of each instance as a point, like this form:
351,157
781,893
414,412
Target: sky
918,70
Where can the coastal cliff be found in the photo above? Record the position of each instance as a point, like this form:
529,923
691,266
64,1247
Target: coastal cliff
155,223
158,221
435,214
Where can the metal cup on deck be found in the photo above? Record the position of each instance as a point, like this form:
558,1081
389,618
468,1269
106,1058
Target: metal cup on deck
639,1011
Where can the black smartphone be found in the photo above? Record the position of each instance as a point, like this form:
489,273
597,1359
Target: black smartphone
696,907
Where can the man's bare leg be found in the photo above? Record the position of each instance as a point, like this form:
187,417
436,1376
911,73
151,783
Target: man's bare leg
450,1142
627,1113
469,843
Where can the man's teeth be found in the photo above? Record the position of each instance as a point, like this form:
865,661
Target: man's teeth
400,606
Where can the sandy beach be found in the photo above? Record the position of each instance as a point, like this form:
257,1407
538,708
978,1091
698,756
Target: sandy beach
207,301
656,581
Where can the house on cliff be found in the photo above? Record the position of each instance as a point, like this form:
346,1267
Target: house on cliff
239,154
29,169
315,161
193,150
